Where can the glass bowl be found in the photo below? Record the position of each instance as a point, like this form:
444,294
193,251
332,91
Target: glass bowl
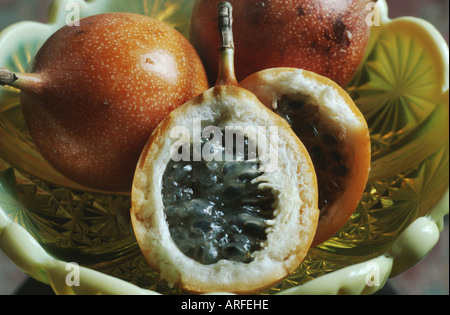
50,225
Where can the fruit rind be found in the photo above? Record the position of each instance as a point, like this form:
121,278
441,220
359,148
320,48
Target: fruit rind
296,211
342,114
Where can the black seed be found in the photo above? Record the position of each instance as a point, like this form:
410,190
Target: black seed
214,167
180,174
213,209
173,211
297,105
204,176
208,253
308,111
179,234
243,239
188,248
329,139
341,170
201,207
267,208
214,192
249,175
232,228
183,193
256,200
255,227
202,227
169,182
305,129
232,192
313,128
335,157
231,168
245,217
318,157
236,252
253,210
250,171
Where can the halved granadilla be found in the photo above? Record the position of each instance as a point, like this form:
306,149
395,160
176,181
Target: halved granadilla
333,130
225,195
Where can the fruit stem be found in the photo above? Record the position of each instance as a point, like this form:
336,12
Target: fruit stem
7,77
227,75
21,81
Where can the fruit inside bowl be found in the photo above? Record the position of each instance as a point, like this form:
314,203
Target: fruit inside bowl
47,220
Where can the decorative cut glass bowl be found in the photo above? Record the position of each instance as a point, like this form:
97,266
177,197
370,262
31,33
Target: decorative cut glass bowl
47,221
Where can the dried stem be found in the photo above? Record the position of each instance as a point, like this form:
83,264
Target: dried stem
226,25
227,74
26,82
7,77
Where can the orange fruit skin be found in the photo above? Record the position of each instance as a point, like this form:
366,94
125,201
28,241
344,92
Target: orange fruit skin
328,37
104,87
357,149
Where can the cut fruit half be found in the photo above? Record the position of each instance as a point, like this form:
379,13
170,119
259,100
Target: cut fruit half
333,130
225,195
178,210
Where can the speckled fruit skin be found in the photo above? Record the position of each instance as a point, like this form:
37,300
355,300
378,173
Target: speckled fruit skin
328,37
100,90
